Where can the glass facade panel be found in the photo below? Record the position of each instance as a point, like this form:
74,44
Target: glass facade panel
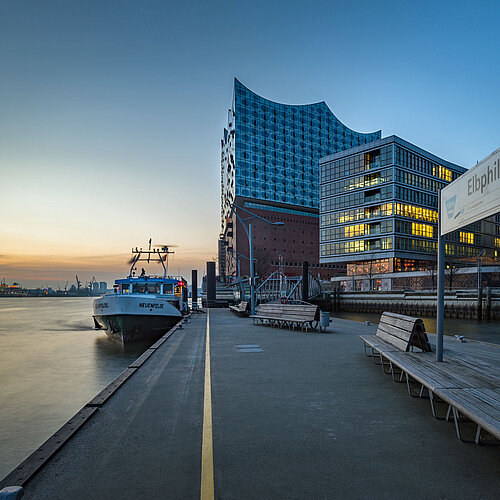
398,195
270,151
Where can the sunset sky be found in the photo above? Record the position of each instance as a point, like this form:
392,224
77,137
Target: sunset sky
111,112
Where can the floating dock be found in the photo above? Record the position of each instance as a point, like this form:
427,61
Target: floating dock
221,408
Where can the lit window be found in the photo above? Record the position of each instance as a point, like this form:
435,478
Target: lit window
466,237
442,173
421,230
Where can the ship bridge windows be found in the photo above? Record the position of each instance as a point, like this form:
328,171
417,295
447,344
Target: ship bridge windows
168,288
146,288
125,288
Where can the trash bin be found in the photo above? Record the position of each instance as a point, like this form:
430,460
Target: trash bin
324,320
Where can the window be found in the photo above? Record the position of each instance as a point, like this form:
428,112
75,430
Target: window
168,288
442,173
146,288
422,230
466,237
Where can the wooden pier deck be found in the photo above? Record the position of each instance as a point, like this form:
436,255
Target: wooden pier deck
292,415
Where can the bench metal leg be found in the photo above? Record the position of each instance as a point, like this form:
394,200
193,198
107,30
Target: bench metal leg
399,374
477,436
376,355
364,347
433,400
422,388
384,365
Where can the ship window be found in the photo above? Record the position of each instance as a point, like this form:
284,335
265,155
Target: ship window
146,288
125,289
153,288
168,288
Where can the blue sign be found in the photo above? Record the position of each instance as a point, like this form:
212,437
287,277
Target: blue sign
450,206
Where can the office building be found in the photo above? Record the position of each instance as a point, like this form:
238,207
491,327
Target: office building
269,165
378,212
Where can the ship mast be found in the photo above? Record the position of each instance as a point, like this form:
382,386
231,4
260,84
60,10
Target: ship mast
159,253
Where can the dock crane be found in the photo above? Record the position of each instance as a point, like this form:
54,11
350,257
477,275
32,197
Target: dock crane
78,283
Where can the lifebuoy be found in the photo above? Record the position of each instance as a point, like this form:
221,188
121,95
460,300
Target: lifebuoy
284,300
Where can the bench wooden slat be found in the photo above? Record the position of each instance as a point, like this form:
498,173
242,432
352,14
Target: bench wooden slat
287,314
469,384
378,344
473,407
394,331
392,339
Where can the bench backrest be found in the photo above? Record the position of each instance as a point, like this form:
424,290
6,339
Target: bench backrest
403,331
300,312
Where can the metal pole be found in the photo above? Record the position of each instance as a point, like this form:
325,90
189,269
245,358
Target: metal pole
305,281
440,288
252,277
479,290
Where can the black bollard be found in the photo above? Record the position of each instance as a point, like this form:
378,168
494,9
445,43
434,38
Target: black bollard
194,290
211,286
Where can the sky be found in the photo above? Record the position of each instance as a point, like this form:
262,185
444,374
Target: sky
111,112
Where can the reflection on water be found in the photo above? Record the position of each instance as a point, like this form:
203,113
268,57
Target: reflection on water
52,362
487,331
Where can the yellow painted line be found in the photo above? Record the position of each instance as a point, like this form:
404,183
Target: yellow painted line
207,448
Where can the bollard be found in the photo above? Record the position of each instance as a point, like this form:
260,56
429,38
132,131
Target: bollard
194,289
211,284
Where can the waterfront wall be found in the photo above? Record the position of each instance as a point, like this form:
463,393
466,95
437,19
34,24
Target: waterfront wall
458,304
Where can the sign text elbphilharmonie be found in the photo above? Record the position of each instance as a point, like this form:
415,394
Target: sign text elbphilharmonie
473,196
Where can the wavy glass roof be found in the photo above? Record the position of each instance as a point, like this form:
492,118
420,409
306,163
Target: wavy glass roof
271,151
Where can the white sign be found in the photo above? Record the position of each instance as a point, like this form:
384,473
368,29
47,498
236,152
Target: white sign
473,196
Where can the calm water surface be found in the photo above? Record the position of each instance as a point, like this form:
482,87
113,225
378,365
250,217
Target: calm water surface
52,362
470,328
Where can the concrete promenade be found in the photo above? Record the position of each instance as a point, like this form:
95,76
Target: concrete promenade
303,415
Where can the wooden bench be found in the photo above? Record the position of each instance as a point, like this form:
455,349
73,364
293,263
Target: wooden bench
241,308
397,332
467,382
287,315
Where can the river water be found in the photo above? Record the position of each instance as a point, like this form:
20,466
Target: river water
52,362
487,331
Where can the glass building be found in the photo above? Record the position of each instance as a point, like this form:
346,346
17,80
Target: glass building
378,210
270,164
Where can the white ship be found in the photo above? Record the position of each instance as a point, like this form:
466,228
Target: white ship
144,307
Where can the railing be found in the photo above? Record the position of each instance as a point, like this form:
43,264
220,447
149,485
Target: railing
278,286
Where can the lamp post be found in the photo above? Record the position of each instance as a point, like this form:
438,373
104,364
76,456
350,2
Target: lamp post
238,260
248,231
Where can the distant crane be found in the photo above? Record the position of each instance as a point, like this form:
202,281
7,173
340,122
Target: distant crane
78,283
66,286
91,283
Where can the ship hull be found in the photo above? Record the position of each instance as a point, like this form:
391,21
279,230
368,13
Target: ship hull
135,318
131,329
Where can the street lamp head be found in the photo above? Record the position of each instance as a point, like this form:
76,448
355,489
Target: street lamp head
278,223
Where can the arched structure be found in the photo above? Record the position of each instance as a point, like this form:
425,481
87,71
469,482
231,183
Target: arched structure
270,162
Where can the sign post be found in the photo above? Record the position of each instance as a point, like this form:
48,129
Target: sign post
472,197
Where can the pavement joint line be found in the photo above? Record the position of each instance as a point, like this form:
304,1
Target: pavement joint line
207,452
